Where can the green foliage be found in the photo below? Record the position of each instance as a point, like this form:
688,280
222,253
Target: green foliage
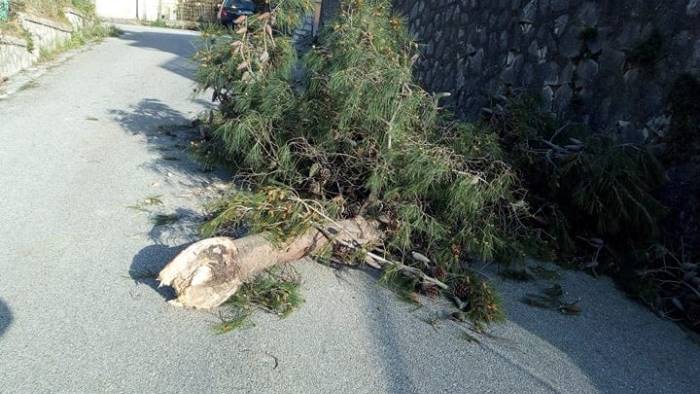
275,291
237,319
589,190
54,9
158,23
276,212
86,35
28,38
86,7
403,286
477,298
357,135
347,130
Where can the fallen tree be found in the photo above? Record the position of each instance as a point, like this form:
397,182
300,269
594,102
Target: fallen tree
355,137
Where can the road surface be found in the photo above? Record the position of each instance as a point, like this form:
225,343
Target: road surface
99,133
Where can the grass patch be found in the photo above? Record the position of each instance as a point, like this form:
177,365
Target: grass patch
157,23
236,319
275,291
113,31
78,39
11,28
51,9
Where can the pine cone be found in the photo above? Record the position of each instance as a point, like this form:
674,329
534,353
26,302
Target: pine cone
325,174
431,291
456,250
462,289
439,273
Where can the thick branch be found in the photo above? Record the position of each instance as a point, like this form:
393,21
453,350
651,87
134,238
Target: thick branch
209,272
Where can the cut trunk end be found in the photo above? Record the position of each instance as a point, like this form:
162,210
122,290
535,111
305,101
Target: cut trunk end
209,272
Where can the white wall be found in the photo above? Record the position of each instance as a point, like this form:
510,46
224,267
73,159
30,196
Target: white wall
149,10
117,9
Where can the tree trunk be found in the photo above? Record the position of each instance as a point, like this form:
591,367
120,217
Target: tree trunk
209,272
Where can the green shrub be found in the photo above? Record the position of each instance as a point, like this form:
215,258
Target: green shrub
595,195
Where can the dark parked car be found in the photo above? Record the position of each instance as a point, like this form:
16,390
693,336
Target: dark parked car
232,9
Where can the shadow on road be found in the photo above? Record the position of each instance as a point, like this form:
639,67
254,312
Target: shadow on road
170,40
148,262
5,317
183,44
616,343
168,132
185,225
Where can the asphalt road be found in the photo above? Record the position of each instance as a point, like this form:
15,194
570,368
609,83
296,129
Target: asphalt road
99,133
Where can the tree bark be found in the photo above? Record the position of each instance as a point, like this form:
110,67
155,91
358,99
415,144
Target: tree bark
209,272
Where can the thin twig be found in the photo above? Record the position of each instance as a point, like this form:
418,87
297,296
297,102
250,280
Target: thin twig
402,267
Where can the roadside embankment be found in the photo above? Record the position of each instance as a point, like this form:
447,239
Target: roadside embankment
35,36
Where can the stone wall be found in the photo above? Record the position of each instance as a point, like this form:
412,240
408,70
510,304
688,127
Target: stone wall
14,56
17,53
608,63
46,34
